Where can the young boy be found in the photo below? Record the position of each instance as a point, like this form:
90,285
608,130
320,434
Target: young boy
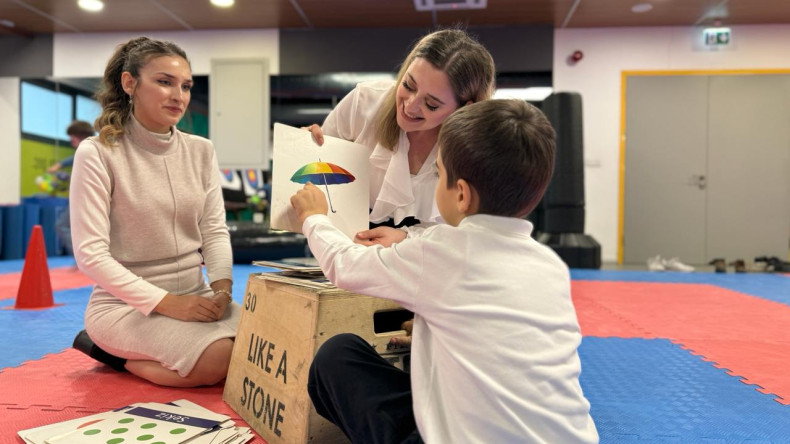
78,131
494,349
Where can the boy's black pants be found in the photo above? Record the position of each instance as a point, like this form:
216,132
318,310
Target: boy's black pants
366,396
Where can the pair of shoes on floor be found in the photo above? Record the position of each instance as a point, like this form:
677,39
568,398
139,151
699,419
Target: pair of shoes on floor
657,263
720,265
739,264
774,264
84,343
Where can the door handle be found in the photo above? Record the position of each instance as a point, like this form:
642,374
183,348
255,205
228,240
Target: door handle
698,180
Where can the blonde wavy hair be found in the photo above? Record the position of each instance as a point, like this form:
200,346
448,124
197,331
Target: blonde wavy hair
468,65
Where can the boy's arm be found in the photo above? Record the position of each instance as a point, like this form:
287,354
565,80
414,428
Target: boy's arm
392,273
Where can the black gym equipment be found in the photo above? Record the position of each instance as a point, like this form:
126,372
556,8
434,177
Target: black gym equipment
252,241
560,215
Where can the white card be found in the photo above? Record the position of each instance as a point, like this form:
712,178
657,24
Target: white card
338,167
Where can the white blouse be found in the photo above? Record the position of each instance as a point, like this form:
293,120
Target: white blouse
394,192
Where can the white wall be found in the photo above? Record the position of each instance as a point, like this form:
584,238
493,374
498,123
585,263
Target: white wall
597,77
10,141
85,55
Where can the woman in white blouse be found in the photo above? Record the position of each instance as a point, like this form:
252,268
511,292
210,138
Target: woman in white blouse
400,121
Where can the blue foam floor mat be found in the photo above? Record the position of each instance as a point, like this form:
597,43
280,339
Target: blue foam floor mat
33,333
16,265
652,390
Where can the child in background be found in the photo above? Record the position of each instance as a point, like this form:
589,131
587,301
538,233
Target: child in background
494,350
78,131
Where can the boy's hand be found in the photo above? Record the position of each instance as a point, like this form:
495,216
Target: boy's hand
309,201
403,341
385,236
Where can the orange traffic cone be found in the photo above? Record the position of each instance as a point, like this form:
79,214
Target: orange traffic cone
35,287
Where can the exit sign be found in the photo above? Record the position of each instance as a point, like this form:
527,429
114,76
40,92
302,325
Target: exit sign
716,37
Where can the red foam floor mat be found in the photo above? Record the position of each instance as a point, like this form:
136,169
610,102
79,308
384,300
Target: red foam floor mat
595,319
69,385
746,335
61,278
764,364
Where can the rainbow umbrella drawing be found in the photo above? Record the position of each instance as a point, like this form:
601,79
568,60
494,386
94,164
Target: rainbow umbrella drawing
323,173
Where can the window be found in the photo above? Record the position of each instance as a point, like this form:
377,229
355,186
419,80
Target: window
87,109
46,113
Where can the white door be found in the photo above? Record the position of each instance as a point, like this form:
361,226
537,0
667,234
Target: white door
748,211
665,168
707,167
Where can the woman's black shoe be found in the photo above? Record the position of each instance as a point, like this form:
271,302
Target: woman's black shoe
85,344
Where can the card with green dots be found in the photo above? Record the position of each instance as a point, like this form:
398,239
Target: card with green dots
50,431
149,423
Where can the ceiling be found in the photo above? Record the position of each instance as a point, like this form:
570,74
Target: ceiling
28,17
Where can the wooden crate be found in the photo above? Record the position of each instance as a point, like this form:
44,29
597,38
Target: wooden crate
282,325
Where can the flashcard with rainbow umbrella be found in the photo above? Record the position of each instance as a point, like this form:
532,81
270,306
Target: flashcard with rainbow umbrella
338,167
323,173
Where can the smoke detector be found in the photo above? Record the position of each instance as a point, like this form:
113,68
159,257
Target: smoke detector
439,5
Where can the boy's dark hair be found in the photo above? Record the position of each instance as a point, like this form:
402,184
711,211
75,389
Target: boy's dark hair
504,149
80,128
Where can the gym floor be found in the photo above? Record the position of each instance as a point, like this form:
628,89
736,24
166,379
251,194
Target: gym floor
666,356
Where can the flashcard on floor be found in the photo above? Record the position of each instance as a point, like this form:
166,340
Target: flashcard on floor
153,422
42,434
